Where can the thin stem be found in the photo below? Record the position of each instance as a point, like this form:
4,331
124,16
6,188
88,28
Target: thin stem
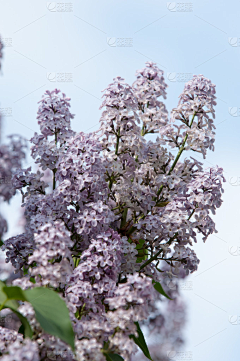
124,217
117,145
179,154
151,259
143,130
54,170
54,179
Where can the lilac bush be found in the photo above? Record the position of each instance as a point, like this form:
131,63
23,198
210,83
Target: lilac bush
119,222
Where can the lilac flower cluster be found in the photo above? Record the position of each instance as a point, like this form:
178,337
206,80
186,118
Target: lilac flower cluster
11,158
122,213
195,132
7,337
26,350
54,119
52,255
149,86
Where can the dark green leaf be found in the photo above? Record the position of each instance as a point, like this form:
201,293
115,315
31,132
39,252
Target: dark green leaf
21,329
140,244
140,341
25,270
113,357
26,328
12,304
14,293
142,252
4,298
52,313
158,287
50,310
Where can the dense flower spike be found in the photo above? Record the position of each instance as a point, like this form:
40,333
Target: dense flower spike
52,255
196,102
54,119
148,87
121,214
11,158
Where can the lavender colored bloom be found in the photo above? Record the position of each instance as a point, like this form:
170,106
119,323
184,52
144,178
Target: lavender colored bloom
52,244
26,350
7,337
122,212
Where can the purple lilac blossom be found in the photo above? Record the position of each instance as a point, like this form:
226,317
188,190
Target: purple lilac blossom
122,211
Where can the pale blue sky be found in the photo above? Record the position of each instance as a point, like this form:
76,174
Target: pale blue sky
75,45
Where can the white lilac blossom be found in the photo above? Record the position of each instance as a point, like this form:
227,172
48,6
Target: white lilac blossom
194,111
52,255
54,119
149,86
122,213
8,337
96,276
25,350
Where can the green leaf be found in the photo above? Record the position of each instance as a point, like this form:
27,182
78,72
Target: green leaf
140,341
21,329
140,244
162,204
1,243
50,310
14,293
158,287
13,306
25,328
113,357
142,253
52,313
